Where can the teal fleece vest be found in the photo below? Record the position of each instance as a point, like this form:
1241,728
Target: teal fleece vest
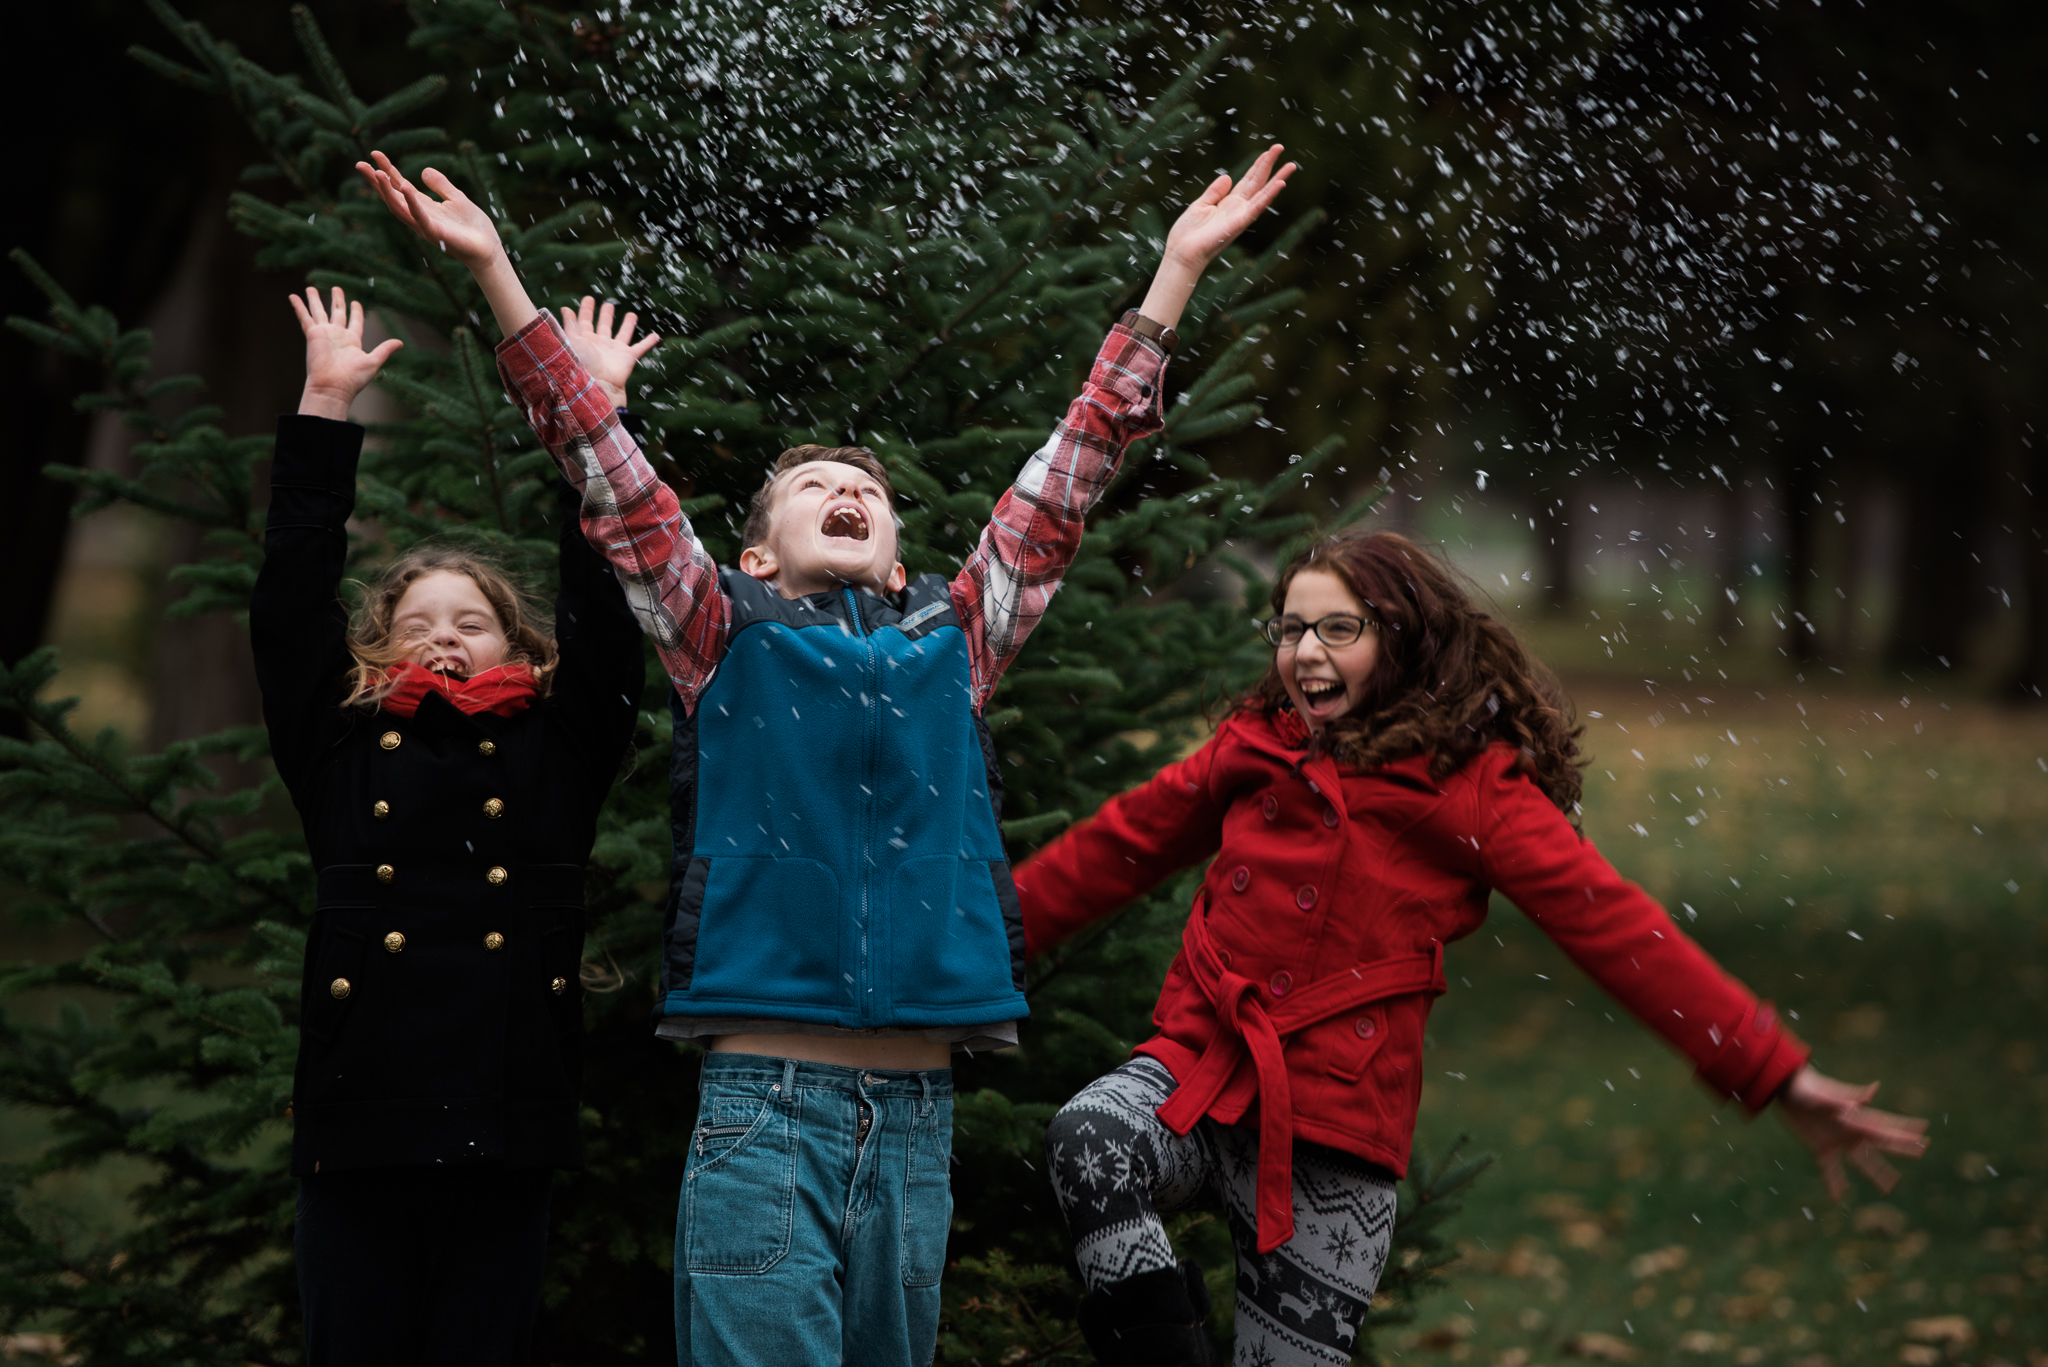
834,803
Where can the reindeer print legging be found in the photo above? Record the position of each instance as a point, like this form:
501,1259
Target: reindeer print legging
1115,1167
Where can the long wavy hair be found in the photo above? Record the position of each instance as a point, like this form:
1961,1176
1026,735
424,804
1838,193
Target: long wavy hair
529,638
1450,679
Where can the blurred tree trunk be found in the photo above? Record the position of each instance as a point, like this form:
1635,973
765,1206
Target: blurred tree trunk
224,318
1939,575
1802,501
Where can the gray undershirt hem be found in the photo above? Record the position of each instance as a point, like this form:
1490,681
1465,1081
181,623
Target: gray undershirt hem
965,1039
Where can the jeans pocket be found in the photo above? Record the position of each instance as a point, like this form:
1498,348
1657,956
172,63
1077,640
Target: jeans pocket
928,1197
740,1193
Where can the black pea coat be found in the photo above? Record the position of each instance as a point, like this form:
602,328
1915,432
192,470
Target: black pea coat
441,1017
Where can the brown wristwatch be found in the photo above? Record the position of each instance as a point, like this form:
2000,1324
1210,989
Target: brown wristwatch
1142,326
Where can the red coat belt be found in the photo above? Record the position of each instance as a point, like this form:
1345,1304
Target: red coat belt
1251,1020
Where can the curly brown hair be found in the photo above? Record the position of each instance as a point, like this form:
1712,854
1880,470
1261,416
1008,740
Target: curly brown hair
529,639
1450,678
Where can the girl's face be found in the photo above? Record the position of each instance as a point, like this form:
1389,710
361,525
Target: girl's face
444,623
1325,682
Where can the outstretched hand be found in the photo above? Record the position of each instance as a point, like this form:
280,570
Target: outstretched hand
1832,1119
337,367
1224,210
608,353
1205,228
453,221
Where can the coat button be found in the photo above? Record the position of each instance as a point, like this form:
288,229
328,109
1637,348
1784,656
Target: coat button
494,808
487,748
1239,877
1280,982
338,989
559,986
497,876
394,942
389,740
1305,897
1365,1028
381,810
1272,805
385,873
494,941
1330,817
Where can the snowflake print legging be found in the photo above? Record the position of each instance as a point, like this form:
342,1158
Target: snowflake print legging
1115,1167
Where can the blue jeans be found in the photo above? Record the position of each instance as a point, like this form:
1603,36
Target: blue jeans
813,1220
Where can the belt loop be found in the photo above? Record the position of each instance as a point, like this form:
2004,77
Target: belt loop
789,1082
924,1080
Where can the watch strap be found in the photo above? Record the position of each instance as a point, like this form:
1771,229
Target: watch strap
1139,325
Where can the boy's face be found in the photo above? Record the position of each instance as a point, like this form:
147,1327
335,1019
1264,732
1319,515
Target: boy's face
832,525
445,624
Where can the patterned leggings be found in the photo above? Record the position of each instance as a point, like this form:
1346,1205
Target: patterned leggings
1115,1166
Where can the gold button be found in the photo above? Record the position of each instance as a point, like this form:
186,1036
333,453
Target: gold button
385,873
494,941
394,942
338,989
381,810
559,986
494,809
389,740
496,876
487,748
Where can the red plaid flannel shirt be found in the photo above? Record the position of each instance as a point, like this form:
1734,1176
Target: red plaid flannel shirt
635,522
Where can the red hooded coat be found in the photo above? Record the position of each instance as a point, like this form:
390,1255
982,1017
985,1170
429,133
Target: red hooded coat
1314,948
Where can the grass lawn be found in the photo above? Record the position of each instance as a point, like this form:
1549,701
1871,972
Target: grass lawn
1878,870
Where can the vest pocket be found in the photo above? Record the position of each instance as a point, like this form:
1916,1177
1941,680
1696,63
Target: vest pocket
950,946
1350,1041
767,931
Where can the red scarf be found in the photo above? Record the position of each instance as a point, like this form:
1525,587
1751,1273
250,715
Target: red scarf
504,691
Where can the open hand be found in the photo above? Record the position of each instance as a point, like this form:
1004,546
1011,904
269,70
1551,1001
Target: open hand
337,367
1830,1118
1224,210
608,353
454,221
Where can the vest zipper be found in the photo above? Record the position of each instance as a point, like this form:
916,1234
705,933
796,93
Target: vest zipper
864,836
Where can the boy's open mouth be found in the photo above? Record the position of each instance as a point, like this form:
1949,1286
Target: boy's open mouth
1316,692
847,520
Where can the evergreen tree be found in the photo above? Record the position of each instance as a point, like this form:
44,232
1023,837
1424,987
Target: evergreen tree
904,229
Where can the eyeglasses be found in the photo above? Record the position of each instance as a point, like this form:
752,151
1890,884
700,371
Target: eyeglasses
1337,630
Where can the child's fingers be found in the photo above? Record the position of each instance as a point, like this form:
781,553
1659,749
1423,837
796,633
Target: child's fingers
299,307
355,320
1871,1164
383,351
443,186
646,344
337,312
586,309
626,326
1218,188
604,321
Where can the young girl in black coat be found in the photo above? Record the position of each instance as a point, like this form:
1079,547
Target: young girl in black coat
448,759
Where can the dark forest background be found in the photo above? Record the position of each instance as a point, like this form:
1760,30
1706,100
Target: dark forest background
1873,413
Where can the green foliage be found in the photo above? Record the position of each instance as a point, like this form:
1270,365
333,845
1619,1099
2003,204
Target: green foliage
930,280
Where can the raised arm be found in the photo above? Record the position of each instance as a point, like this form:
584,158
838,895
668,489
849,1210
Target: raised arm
571,382
1031,538
298,627
1628,945
1134,842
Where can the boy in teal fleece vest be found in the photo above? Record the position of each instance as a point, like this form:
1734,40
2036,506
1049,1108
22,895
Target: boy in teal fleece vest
841,916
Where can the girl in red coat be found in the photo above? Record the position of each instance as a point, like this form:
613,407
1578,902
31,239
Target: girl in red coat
1403,758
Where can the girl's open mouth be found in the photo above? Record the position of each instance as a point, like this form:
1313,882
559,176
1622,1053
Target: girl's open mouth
448,669
1316,692
846,520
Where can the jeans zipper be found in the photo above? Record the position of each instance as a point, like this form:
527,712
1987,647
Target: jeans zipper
863,842
705,1132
